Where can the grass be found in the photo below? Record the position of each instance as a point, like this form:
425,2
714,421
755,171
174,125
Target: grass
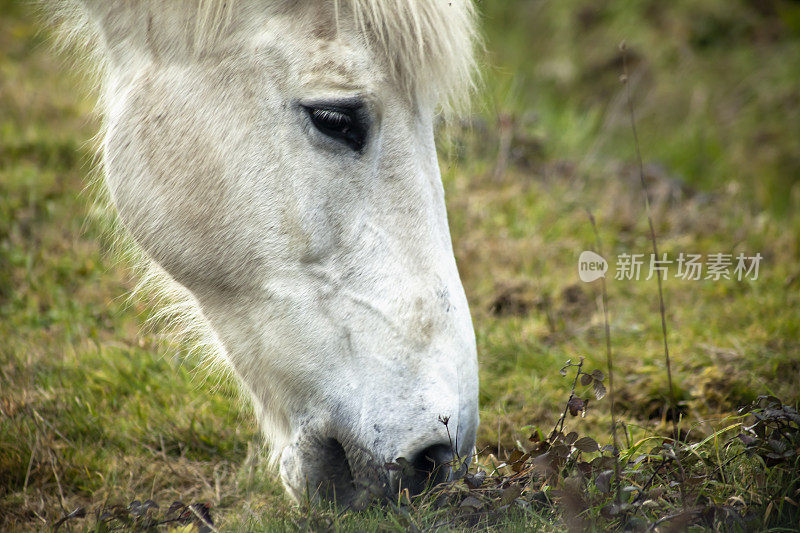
95,410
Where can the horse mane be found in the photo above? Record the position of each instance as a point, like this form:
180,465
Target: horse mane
428,45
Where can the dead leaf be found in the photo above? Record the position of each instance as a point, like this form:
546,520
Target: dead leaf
471,502
510,494
517,460
575,406
475,480
603,481
599,390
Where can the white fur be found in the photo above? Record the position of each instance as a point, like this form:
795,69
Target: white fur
322,278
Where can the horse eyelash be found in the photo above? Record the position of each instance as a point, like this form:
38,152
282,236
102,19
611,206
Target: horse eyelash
334,118
344,124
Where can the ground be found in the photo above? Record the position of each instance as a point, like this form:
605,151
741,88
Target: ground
97,408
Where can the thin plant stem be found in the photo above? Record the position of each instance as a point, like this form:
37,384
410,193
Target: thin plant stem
653,240
609,362
672,404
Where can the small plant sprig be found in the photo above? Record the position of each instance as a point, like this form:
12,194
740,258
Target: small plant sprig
774,434
575,405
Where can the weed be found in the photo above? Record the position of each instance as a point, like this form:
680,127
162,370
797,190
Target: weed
145,516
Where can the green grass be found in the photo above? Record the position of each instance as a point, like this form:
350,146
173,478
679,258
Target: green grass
95,409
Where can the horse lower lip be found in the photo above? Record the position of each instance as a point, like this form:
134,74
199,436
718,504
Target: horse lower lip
328,469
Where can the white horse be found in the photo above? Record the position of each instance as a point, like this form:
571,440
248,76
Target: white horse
275,160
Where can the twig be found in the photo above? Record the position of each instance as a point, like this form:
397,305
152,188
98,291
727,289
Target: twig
625,432
649,482
164,455
58,483
563,417
445,421
667,518
40,517
28,473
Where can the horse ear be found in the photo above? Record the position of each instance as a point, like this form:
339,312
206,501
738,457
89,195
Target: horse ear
116,26
125,29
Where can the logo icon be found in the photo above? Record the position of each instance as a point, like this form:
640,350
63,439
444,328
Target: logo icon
591,266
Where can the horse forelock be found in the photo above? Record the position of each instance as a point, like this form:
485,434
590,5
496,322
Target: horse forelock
427,45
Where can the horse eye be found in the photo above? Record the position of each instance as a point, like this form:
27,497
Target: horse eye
344,124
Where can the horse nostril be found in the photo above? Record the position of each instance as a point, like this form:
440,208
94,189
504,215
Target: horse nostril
431,467
335,479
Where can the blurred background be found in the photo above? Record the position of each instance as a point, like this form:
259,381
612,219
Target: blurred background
715,85
96,407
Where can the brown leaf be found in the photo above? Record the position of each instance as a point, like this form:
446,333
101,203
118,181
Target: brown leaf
471,501
515,456
575,405
519,466
603,481
517,460
602,463
539,448
586,379
587,444
598,375
475,480
599,390
560,450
